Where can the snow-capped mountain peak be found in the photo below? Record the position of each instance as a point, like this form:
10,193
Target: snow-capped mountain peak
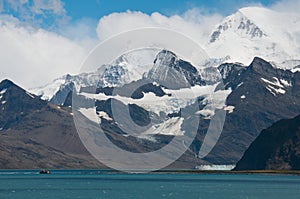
171,71
248,33
239,24
126,68
256,31
165,57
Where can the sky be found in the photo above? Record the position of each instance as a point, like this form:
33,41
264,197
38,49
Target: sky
41,40
99,8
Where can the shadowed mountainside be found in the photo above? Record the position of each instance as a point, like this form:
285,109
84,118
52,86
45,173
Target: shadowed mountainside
276,148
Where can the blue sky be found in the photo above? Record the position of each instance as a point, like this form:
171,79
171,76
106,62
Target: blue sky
98,8
93,10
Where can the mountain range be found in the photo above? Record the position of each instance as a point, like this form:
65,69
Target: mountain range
248,33
252,75
256,96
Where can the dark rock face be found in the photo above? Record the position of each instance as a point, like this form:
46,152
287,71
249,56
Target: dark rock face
277,148
68,101
172,72
230,73
258,101
137,89
61,95
16,103
139,115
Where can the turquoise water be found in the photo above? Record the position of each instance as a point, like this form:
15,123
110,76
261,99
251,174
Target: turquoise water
96,184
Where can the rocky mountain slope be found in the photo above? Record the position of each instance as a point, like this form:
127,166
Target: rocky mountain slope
37,134
276,148
254,97
261,95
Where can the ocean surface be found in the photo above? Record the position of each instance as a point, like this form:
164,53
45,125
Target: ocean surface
104,184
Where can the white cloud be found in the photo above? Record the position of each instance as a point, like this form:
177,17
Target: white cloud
81,29
1,6
55,6
290,6
33,57
30,7
193,24
287,6
35,11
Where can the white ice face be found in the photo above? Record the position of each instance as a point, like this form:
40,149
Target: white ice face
256,31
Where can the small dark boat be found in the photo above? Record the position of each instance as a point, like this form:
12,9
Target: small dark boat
44,171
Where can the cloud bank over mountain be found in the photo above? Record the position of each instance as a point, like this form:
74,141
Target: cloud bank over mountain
33,55
193,23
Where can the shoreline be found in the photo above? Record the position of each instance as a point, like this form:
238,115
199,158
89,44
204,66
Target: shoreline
166,171
275,172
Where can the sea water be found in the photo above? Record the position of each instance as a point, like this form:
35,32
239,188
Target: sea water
105,184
